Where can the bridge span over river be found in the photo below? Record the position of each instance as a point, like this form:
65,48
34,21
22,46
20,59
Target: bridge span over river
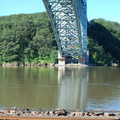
69,22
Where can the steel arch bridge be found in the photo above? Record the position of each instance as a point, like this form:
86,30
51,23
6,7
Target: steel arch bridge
69,22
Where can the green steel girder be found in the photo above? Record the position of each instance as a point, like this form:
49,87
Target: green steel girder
69,22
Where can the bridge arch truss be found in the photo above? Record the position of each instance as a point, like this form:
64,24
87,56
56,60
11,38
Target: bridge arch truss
69,22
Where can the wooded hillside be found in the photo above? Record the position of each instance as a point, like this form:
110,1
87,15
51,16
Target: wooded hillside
104,42
28,38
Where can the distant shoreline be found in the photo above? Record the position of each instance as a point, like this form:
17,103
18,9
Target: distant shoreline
49,64
25,64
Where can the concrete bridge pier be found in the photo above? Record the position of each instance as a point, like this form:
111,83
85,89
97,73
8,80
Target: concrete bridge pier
69,60
61,60
84,59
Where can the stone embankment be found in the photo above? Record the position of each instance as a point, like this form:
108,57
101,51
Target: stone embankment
51,64
25,64
60,113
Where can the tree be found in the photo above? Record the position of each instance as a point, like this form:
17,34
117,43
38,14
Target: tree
104,45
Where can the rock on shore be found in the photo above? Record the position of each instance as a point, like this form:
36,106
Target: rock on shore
25,64
59,113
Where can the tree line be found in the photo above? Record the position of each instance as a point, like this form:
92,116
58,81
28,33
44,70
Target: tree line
104,42
29,38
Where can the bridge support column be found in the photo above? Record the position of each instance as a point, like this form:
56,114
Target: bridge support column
61,60
81,60
87,57
84,59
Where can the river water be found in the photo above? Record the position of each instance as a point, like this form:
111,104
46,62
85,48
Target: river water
84,88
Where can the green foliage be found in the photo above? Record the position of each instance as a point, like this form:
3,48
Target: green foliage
54,56
26,38
29,38
104,41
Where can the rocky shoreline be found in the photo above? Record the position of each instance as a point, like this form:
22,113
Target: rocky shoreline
60,113
49,64
25,64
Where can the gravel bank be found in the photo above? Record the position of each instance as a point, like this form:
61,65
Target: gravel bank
58,114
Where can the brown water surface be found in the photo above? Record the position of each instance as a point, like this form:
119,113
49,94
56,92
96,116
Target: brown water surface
84,88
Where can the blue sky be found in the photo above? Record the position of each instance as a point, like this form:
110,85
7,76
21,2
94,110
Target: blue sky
106,9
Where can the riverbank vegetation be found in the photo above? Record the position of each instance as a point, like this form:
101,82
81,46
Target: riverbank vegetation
28,38
104,42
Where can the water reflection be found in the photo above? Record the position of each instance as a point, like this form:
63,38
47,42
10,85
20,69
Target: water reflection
84,88
28,87
73,84
104,88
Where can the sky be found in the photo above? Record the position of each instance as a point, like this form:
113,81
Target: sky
106,9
